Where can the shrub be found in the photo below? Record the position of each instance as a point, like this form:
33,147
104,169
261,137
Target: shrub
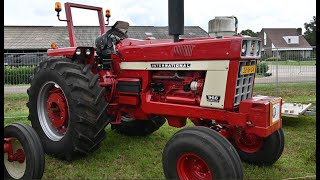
311,58
262,68
17,75
291,55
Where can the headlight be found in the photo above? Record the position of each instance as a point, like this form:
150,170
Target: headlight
251,47
258,49
78,51
88,52
244,48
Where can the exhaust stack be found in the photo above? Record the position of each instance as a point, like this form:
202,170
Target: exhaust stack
176,18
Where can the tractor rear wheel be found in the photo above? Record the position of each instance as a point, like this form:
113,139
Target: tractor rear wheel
259,151
131,127
67,108
200,153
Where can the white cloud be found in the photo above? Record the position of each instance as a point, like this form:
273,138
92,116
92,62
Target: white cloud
252,14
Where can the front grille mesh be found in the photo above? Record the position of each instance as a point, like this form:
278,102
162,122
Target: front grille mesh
244,83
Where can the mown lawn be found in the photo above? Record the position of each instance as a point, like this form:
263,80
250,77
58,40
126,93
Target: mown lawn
290,92
122,157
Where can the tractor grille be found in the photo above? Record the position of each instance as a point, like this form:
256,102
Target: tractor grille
183,50
244,83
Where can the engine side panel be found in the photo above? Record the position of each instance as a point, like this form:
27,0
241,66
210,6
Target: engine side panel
175,76
213,94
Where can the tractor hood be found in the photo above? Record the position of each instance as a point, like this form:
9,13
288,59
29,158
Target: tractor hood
186,49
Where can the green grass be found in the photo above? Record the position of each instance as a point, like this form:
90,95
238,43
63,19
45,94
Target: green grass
291,63
122,157
259,75
15,105
291,92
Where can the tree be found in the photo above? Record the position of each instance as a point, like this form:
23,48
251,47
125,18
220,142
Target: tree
310,33
249,32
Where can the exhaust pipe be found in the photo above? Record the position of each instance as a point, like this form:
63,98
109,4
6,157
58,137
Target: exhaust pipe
176,18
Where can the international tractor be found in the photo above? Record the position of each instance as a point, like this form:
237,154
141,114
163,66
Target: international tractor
138,85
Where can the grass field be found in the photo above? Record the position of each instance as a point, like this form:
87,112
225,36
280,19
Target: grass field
122,157
290,92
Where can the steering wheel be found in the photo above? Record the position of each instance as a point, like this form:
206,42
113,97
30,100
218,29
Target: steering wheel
115,35
105,44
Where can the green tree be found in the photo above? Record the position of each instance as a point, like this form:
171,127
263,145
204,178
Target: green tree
310,33
249,32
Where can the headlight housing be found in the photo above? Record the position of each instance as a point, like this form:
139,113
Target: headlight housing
251,48
88,52
244,48
78,51
258,49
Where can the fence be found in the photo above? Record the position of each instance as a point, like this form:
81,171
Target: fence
288,65
276,68
18,67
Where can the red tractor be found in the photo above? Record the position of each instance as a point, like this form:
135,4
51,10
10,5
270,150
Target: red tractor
138,85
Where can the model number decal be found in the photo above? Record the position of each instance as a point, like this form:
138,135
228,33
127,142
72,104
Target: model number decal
163,65
213,98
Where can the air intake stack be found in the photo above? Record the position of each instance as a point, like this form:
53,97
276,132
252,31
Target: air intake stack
223,26
176,18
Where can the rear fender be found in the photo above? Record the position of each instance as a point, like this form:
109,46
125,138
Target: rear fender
70,52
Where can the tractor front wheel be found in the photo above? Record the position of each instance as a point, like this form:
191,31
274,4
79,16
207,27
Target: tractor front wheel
200,153
257,150
131,127
23,153
67,108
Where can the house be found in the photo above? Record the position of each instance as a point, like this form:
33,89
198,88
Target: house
27,45
24,39
285,43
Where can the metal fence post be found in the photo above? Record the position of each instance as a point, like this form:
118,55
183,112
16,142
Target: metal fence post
277,75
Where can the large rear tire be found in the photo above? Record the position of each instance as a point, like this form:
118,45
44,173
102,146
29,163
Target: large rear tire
130,127
200,153
260,151
26,143
67,108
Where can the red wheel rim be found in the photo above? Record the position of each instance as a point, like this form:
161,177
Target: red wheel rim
57,110
249,143
190,167
15,160
20,155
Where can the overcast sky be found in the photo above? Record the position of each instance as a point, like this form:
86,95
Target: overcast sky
252,14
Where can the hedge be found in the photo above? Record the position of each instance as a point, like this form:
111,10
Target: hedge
262,68
17,75
21,75
291,56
